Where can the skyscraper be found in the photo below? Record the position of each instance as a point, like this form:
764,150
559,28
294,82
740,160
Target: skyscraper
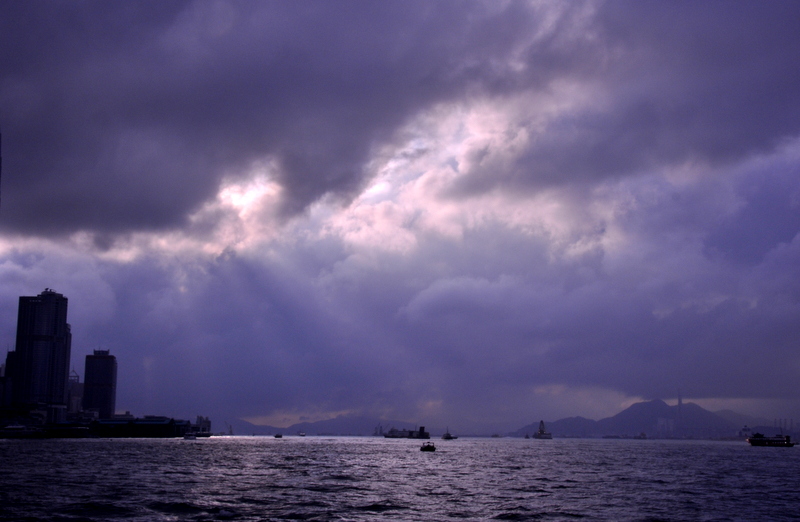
74,394
39,366
100,383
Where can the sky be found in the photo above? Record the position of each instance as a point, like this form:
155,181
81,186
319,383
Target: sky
448,213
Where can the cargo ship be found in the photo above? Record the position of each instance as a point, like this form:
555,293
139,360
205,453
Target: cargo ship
394,433
542,433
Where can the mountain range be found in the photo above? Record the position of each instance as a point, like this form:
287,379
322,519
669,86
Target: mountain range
654,419
341,425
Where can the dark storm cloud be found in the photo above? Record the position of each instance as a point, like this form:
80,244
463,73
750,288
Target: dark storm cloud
768,216
675,82
126,116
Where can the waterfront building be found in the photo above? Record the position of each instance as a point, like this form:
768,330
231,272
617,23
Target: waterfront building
100,384
38,368
74,394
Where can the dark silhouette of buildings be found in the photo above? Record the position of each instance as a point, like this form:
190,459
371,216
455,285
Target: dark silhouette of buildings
39,398
37,370
100,384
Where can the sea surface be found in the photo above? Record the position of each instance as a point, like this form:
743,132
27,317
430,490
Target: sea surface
369,478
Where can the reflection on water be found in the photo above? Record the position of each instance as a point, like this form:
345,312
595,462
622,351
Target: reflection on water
318,478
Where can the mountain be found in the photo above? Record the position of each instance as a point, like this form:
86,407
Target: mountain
742,420
341,425
572,426
654,418
242,427
347,425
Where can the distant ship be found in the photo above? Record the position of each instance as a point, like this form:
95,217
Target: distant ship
542,433
394,433
780,441
448,436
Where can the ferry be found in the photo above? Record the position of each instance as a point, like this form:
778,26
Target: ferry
448,436
779,441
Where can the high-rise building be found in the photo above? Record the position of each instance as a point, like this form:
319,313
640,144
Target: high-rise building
74,394
39,366
100,384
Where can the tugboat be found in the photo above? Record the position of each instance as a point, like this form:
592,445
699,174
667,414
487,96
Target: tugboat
448,436
778,441
427,446
542,433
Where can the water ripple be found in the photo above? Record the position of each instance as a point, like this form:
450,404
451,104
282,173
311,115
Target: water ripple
356,479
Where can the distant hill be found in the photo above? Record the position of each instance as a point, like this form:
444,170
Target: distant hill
742,420
572,427
656,419
341,425
348,425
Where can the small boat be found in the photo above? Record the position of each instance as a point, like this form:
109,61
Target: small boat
428,446
448,436
301,433
542,433
190,436
778,441
279,435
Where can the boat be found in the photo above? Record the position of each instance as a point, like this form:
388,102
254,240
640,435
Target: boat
301,433
279,435
541,433
448,436
778,441
190,436
18,431
427,446
394,433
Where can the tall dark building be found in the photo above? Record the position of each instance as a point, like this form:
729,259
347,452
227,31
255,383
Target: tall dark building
100,384
39,366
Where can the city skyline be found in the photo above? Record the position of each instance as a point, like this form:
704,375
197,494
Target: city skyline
447,213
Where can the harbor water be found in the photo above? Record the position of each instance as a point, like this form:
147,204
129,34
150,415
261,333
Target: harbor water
369,478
